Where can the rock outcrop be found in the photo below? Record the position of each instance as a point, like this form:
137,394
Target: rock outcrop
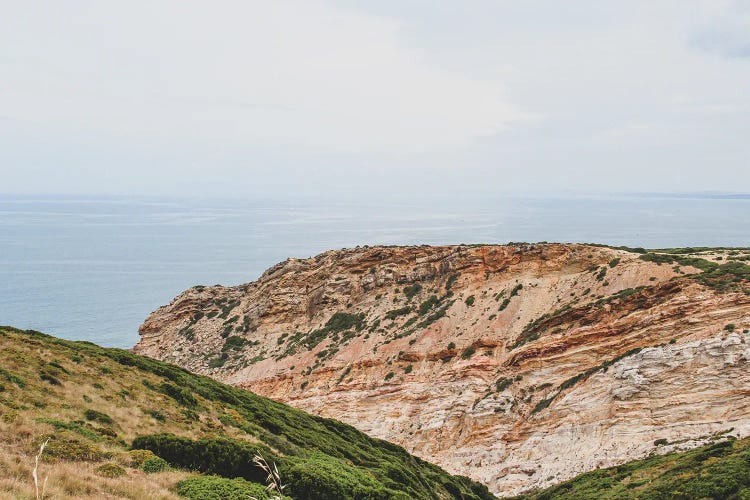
518,366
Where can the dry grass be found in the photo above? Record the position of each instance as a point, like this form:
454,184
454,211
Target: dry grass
122,395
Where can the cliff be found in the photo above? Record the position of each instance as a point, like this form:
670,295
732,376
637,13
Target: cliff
519,366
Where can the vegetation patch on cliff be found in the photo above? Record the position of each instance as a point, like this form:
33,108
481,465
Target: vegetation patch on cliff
719,470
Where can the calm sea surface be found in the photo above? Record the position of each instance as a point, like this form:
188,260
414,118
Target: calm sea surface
94,268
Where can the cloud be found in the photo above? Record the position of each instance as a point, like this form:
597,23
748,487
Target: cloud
726,32
270,74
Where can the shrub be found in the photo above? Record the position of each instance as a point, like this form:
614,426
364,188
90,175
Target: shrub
321,477
468,352
218,361
428,304
503,383
156,415
234,343
408,369
179,394
730,327
411,290
12,378
394,313
225,457
137,457
660,442
470,300
57,365
49,378
110,470
73,450
451,280
451,345
154,464
389,375
219,488
614,262
96,416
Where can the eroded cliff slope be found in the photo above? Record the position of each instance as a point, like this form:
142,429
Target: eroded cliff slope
517,365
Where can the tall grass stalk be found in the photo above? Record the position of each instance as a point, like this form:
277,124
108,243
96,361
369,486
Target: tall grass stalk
273,480
35,473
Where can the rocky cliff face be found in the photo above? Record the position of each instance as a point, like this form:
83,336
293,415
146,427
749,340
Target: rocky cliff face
518,365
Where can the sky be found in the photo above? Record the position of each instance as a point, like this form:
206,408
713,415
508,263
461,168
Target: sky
373,99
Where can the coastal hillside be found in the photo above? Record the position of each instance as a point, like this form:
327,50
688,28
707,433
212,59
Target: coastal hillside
517,365
113,424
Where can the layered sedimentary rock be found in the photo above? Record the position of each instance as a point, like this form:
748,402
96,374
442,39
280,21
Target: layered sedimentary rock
517,365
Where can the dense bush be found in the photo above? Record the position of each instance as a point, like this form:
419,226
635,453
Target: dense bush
320,477
110,470
73,450
182,396
137,457
219,456
219,488
154,464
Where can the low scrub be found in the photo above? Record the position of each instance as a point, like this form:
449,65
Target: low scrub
720,470
220,488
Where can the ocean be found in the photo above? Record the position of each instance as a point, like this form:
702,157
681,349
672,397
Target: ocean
92,268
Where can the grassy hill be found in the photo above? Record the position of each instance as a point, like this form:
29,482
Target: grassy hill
124,426
720,471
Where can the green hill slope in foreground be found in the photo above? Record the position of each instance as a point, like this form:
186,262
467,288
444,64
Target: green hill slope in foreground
101,408
97,405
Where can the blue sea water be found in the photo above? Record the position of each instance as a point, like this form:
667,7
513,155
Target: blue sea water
93,268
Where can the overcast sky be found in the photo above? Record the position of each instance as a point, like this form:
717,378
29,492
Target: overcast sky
375,98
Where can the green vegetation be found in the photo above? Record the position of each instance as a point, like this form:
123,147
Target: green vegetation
452,280
434,316
411,290
234,343
154,464
572,381
470,300
428,304
395,313
468,352
110,470
503,383
195,424
219,488
720,471
182,396
97,416
338,323
730,276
